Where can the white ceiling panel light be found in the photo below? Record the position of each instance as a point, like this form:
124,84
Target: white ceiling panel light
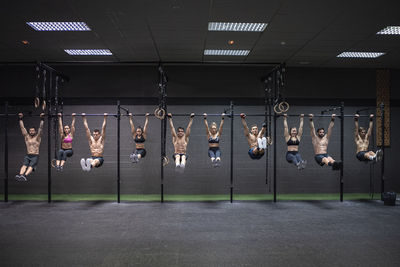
223,52
237,26
88,52
59,26
361,54
392,30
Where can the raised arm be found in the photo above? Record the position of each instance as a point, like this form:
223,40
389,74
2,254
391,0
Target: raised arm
171,125
263,130
189,125
73,125
221,124
103,127
40,131
206,124
285,127
312,128
146,122
371,124
21,125
86,127
356,116
132,125
300,132
246,129
330,128
60,126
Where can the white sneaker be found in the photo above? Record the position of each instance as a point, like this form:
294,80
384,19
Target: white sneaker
264,142
378,155
260,143
88,164
83,164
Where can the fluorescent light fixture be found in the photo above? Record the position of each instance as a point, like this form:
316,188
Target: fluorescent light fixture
236,26
59,26
390,30
222,52
88,52
361,54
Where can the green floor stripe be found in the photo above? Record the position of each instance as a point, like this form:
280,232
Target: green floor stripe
186,198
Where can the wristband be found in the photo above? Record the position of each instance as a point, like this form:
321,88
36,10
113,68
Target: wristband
356,119
332,120
371,119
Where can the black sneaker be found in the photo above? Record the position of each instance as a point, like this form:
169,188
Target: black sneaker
17,177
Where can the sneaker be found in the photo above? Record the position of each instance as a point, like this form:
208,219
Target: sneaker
264,142
298,165
88,164
57,168
21,178
133,157
17,177
260,143
83,164
336,166
303,164
379,155
61,168
217,163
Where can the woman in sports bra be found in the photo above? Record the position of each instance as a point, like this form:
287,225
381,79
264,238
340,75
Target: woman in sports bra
66,137
213,140
293,141
139,136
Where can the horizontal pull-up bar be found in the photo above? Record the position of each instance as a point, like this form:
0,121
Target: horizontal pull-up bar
188,115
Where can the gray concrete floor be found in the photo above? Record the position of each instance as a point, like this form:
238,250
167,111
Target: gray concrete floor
314,233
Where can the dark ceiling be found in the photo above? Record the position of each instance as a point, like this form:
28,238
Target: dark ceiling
300,33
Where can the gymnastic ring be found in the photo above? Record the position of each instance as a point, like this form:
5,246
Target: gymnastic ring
53,163
282,106
275,107
44,105
159,113
165,161
37,102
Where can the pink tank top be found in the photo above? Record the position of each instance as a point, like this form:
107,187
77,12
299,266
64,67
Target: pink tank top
68,139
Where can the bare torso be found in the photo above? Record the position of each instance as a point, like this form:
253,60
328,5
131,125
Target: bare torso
252,140
96,147
180,144
362,144
32,144
320,144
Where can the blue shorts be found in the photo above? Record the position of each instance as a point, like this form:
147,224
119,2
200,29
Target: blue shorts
361,156
141,152
100,159
255,156
318,158
214,152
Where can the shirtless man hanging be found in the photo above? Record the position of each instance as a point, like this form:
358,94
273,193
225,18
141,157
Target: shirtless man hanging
96,144
320,143
180,141
361,137
32,142
257,141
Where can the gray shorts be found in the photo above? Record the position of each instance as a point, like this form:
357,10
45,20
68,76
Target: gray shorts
31,160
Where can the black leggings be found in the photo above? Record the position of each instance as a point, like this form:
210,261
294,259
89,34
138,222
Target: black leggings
64,153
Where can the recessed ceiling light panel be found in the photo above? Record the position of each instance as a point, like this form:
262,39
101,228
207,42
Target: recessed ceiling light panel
393,30
222,52
88,52
236,26
361,54
59,26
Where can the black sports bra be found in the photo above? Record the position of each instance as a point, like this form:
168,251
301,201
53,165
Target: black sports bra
213,140
139,140
290,142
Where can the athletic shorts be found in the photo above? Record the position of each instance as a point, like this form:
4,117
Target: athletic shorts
361,156
214,152
179,154
141,152
318,158
31,160
100,159
254,156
